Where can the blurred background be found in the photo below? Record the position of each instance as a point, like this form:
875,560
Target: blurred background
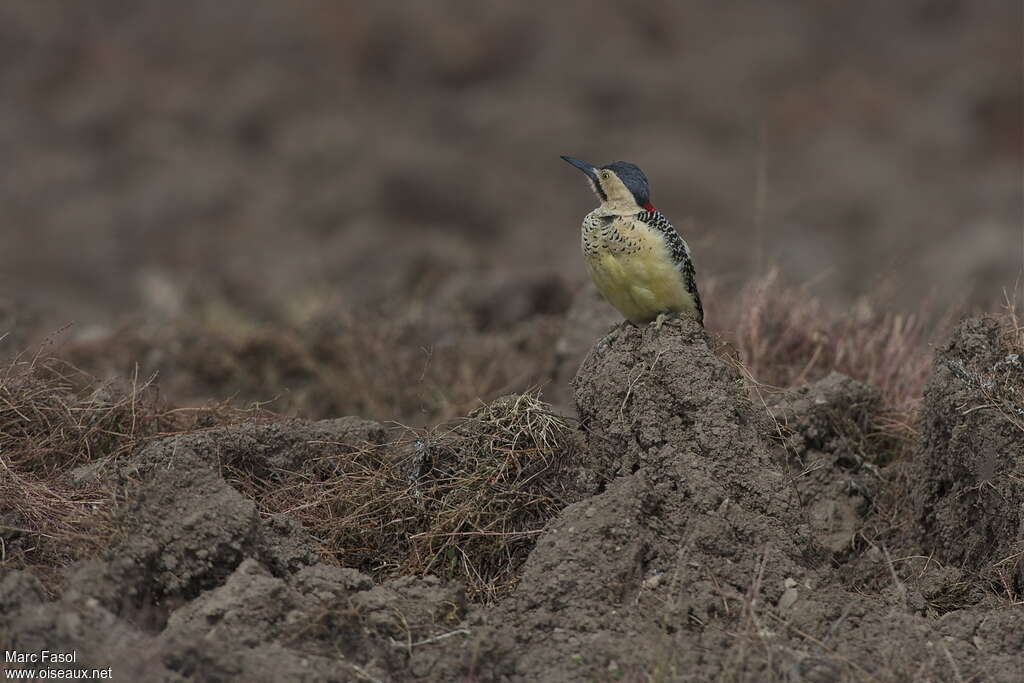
268,159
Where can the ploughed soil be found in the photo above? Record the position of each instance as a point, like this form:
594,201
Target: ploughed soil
433,455
682,525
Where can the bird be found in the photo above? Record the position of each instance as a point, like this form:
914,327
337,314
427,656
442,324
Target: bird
639,262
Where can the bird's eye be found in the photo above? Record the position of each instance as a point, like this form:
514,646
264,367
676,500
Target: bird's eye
605,175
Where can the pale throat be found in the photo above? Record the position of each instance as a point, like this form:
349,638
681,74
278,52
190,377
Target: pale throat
619,207
618,200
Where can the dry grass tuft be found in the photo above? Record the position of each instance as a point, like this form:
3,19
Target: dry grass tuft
57,424
464,502
787,337
1004,386
1000,384
51,421
489,486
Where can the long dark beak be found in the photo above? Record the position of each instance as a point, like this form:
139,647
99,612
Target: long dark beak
585,167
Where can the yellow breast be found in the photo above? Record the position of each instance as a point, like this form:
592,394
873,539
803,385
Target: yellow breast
635,272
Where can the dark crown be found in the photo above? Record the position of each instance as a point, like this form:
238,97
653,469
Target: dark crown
633,178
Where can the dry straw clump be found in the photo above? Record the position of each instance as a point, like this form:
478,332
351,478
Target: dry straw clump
58,426
464,502
489,485
786,338
54,419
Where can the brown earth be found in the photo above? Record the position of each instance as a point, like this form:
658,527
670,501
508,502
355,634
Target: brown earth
710,539
269,156
969,497
228,225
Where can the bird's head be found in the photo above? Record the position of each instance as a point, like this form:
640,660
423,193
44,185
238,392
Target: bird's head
621,186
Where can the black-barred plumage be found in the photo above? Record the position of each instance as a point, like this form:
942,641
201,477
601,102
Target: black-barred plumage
638,261
680,252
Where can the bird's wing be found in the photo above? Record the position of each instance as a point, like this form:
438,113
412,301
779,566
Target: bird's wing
680,253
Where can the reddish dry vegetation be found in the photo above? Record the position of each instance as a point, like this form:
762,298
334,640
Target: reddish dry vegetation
781,503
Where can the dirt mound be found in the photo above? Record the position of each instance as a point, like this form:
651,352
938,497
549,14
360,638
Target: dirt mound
970,467
692,517
819,439
689,544
320,624
184,528
323,623
695,560
213,589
